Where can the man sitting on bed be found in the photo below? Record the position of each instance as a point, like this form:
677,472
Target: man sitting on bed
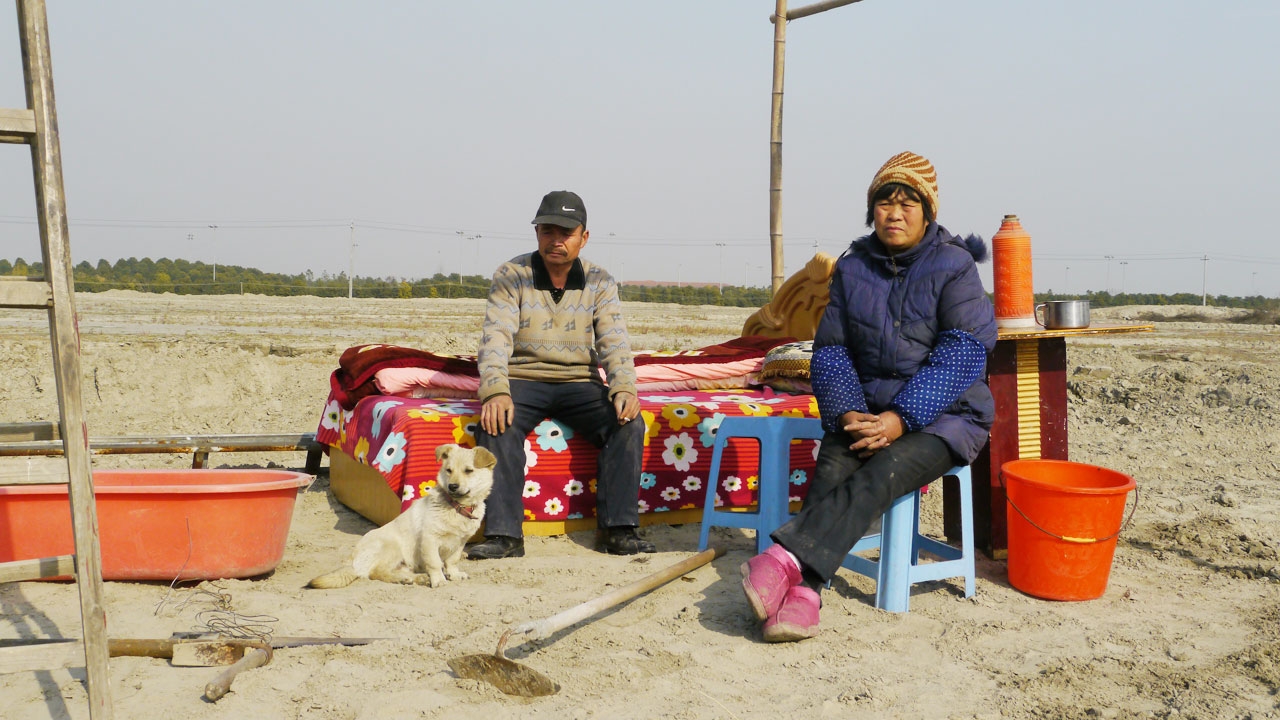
552,321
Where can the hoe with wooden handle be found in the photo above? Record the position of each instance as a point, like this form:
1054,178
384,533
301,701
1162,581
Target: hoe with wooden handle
513,678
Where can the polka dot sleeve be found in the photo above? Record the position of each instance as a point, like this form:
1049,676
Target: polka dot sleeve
957,360
836,384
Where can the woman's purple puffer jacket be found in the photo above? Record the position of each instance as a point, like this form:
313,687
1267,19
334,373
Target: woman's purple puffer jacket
889,311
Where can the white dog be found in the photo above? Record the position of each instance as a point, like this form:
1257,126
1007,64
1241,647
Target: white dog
423,545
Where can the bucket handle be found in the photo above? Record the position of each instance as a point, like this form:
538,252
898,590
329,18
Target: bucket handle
1064,538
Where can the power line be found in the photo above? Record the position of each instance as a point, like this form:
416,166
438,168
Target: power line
387,226
612,239
185,224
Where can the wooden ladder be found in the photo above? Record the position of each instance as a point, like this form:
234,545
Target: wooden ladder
37,126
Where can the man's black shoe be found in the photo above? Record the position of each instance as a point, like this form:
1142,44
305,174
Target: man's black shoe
496,546
625,541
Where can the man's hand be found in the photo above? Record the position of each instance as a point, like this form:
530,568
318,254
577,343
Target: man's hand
871,433
627,406
497,414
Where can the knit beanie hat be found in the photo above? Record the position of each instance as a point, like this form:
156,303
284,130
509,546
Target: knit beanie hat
908,168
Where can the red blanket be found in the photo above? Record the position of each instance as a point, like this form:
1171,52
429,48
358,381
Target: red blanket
353,380
739,348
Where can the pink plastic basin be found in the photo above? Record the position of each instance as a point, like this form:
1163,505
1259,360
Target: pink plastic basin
162,524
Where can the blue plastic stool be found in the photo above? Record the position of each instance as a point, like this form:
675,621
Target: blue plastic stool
900,544
773,508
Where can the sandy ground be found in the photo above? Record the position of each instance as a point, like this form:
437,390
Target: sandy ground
1189,626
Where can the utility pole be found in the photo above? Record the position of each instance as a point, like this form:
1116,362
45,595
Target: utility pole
1108,258
215,250
351,264
462,237
1066,281
1123,263
1204,281
617,278
720,282
475,239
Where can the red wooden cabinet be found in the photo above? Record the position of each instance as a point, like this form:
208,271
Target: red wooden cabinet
1028,378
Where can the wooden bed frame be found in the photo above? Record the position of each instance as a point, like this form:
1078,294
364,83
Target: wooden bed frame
794,312
797,307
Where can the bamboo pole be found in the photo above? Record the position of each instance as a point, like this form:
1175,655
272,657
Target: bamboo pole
813,9
775,147
775,125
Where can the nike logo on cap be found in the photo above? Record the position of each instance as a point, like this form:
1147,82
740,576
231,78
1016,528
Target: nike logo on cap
568,209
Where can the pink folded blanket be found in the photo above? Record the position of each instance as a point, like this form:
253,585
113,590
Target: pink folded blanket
365,370
654,376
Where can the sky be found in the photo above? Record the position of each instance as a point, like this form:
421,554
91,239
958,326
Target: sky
1136,140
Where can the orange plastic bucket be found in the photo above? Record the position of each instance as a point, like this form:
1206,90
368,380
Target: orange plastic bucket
1063,520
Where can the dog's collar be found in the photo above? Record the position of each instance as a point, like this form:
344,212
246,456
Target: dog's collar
463,510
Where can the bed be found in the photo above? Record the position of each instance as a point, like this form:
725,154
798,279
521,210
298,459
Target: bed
389,407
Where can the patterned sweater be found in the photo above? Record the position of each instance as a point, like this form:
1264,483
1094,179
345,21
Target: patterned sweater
527,335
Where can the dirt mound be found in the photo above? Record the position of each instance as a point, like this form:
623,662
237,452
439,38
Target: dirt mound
1189,627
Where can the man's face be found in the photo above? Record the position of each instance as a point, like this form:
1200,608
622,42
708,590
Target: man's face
899,222
558,246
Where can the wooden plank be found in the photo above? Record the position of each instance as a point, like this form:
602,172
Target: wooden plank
50,567
144,444
199,445
41,656
33,471
1094,329
17,125
55,245
25,292
22,432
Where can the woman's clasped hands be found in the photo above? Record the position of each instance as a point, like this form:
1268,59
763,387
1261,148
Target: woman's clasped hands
871,433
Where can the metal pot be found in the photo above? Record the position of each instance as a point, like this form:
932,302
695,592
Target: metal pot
1063,314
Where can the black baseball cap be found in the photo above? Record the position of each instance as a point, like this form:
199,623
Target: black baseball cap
563,208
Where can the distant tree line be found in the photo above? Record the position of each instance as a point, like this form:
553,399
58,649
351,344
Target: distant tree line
1106,299
184,277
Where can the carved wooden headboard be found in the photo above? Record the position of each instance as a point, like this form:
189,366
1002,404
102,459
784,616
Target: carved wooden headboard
797,307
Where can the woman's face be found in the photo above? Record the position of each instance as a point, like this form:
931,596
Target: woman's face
899,222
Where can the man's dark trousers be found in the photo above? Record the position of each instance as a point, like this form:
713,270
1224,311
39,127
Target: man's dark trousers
585,407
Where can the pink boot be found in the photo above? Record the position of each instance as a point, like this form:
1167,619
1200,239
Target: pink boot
797,619
766,578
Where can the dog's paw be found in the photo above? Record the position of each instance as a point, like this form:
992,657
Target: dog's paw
430,579
456,574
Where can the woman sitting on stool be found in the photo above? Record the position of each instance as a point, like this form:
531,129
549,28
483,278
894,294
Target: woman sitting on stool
898,370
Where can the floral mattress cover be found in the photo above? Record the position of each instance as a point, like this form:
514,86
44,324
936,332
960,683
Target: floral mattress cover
397,436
